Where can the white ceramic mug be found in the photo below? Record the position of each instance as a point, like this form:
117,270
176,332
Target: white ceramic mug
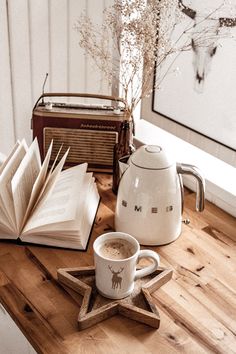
115,277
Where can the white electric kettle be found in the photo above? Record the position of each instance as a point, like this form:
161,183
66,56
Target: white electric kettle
150,196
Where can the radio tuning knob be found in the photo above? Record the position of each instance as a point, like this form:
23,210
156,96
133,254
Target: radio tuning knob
116,110
48,105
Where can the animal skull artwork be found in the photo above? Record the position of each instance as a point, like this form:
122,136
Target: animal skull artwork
204,40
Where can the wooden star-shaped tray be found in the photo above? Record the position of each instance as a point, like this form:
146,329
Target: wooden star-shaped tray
95,308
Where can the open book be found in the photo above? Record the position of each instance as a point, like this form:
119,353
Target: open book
46,206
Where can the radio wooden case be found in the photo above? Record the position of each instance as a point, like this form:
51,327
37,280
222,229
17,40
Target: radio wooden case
89,130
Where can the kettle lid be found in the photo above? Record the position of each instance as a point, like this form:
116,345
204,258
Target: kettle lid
152,157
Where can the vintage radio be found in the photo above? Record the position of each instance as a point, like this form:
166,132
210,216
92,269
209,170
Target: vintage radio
90,130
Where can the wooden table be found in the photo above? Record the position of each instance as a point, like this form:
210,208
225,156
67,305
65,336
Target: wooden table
197,307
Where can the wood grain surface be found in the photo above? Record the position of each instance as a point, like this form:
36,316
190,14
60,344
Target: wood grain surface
197,306
96,308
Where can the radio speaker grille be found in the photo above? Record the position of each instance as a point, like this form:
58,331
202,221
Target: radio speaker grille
92,146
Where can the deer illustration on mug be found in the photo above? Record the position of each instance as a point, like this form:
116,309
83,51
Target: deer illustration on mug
116,280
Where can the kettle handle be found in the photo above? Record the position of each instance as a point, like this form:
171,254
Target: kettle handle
182,192
186,169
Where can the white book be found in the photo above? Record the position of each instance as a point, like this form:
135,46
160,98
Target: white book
46,206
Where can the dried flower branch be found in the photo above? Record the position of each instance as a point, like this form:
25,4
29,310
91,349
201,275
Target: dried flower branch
126,43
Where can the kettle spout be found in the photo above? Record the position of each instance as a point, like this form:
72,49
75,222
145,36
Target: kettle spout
123,165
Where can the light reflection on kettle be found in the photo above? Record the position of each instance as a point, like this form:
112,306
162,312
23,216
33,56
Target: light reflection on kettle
150,195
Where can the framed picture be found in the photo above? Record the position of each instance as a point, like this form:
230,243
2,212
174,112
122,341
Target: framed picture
197,86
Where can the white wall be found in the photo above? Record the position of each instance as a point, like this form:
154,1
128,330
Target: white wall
37,36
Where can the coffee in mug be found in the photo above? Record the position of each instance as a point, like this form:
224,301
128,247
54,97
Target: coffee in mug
116,248
116,255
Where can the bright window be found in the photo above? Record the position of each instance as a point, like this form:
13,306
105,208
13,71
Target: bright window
196,100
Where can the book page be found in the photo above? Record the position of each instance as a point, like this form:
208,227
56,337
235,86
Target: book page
4,220
71,225
70,233
39,184
6,233
92,202
6,178
50,180
23,181
61,204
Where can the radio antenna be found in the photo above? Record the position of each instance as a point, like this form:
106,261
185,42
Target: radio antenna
44,83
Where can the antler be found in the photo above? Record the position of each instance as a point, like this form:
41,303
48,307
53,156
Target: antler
186,10
110,268
121,269
227,22
224,21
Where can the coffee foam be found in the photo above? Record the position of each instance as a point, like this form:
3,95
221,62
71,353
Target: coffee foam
116,248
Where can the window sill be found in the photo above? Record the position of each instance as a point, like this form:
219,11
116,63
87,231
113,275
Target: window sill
220,176
2,158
